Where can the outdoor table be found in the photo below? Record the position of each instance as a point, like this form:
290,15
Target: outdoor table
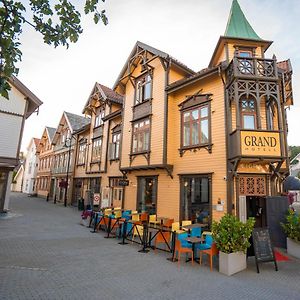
196,225
194,240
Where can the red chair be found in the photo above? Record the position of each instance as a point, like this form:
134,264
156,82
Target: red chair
211,253
162,237
179,249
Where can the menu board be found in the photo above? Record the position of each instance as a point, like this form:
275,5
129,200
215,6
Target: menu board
262,246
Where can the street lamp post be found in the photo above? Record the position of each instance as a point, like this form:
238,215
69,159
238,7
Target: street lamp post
69,140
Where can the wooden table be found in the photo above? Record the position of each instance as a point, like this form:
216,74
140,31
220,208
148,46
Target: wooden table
194,240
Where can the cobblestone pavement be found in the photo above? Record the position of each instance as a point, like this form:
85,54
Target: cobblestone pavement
46,254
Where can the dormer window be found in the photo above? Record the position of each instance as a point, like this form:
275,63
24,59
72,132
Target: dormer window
98,118
143,90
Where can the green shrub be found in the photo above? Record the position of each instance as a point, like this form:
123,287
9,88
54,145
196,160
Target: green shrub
232,235
292,225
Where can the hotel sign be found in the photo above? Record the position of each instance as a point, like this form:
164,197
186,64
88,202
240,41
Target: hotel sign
260,143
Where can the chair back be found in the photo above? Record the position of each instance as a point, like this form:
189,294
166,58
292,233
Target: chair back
144,217
152,218
134,212
209,239
175,226
196,232
186,222
168,223
118,214
107,212
135,217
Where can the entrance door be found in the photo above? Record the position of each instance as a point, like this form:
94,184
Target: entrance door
256,208
147,194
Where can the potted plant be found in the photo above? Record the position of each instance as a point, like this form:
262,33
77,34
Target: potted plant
292,230
232,239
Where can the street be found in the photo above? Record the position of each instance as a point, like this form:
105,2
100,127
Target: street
46,254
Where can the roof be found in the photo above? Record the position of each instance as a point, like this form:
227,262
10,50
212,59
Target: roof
155,51
76,122
238,26
106,93
197,76
36,142
33,101
50,132
285,65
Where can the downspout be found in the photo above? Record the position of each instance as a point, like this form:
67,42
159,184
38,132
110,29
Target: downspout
229,178
165,132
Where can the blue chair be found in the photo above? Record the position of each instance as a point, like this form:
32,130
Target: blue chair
181,237
207,245
196,232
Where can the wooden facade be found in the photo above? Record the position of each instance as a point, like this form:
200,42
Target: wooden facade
191,145
43,182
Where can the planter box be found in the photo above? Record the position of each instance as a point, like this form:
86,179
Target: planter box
293,248
232,263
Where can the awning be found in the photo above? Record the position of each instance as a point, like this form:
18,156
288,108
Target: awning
291,183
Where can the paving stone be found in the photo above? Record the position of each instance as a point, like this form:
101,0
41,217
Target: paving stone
46,254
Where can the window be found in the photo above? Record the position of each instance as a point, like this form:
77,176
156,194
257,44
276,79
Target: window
248,112
115,146
98,119
96,151
81,154
195,126
141,136
143,89
147,194
195,198
271,116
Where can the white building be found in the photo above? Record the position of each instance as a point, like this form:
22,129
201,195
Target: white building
295,166
17,182
13,113
31,165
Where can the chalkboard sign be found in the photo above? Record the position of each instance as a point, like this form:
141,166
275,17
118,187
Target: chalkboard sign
263,247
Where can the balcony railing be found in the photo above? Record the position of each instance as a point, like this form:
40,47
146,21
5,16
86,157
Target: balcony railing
249,67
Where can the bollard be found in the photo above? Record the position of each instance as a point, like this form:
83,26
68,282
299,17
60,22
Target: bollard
54,199
47,199
145,237
124,232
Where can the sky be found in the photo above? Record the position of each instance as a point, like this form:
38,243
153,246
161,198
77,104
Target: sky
186,29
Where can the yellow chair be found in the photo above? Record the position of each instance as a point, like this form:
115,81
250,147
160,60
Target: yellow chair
176,228
153,220
184,223
135,217
138,231
118,214
107,212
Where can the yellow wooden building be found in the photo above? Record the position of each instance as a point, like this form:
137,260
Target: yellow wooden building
196,145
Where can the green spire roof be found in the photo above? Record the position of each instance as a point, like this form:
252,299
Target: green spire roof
238,26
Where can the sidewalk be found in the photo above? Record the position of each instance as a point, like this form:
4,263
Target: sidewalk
46,254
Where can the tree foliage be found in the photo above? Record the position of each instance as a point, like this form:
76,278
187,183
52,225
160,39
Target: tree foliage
294,150
59,22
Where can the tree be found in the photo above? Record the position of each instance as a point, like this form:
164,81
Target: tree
58,21
294,150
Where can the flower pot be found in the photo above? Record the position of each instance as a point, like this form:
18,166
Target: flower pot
293,248
232,263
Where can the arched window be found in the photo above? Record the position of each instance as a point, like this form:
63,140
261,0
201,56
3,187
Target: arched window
248,113
272,121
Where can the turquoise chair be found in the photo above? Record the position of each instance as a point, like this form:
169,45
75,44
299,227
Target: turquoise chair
196,232
207,245
181,237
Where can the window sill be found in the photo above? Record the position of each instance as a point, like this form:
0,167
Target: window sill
95,162
141,103
80,165
140,153
194,148
101,125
